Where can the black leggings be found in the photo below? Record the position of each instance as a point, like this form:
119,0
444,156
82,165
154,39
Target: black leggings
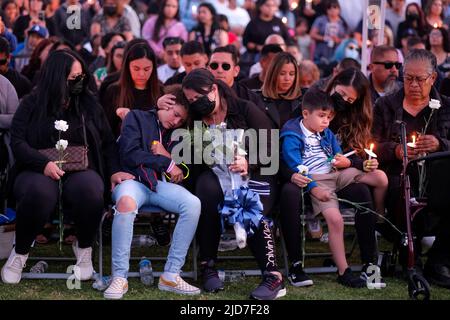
37,198
261,243
290,211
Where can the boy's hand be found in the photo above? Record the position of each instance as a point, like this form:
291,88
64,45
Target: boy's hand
176,175
300,180
321,194
122,112
341,162
370,165
158,149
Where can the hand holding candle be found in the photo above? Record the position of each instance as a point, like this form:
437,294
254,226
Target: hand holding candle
370,151
413,143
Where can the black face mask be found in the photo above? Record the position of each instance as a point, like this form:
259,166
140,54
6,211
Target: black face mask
75,86
110,10
340,105
203,106
412,17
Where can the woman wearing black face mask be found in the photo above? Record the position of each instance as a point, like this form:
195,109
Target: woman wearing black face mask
112,20
414,19
213,102
61,94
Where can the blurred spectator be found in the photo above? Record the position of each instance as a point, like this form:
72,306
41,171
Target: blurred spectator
224,25
74,35
208,31
37,59
434,14
20,83
24,22
193,57
111,19
272,39
311,11
415,43
268,52
23,52
351,12
172,57
108,41
395,14
347,49
8,36
303,38
404,37
238,18
292,48
165,24
328,31
10,13
439,45
309,74
133,18
415,20
113,64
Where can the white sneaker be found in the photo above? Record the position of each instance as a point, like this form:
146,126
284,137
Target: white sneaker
117,288
12,270
84,262
241,235
180,286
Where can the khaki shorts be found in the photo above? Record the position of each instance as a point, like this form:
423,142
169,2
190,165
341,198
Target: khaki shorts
333,182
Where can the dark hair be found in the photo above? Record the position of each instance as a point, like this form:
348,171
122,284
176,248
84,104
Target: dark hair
177,91
110,64
231,50
316,99
192,47
270,48
52,90
427,8
106,39
161,19
34,63
379,51
137,51
7,2
222,18
202,80
355,131
421,23
332,3
4,46
259,3
412,41
348,63
60,42
168,41
445,39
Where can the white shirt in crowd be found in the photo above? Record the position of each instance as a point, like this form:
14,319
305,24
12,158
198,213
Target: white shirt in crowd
165,72
238,17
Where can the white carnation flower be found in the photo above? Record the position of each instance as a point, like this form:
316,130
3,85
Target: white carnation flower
434,104
61,145
302,169
61,125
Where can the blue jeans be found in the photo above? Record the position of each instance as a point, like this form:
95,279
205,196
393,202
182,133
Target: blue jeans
169,197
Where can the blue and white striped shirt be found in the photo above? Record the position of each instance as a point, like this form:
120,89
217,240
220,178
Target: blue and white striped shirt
314,157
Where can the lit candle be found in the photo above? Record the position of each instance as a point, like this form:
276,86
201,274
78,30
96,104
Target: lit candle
435,25
370,151
294,5
309,4
413,143
284,20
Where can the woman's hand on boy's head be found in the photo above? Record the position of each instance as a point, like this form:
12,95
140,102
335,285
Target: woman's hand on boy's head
166,101
341,162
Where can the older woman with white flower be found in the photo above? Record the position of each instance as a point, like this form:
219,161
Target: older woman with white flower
61,114
427,117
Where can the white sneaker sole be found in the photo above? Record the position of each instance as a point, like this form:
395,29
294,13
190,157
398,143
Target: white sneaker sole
175,290
9,282
306,283
280,294
114,296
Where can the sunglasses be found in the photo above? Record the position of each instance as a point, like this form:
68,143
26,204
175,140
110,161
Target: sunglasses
3,62
389,65
215,65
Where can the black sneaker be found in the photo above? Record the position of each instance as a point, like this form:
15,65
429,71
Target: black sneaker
349,280
161,232
211,280
370,270
270,288
297,277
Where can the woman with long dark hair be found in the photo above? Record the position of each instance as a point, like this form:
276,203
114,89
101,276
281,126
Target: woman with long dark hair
352,123
208,31
37,59
213,102
165,24
61,94
137,88
415,19
438,43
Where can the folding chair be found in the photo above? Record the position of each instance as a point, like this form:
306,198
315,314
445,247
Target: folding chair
145,212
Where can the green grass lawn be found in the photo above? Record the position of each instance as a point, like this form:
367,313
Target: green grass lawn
325,285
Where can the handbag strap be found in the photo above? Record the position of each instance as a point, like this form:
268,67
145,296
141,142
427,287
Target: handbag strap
84,130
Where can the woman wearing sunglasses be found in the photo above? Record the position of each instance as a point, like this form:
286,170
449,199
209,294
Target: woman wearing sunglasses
144,148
